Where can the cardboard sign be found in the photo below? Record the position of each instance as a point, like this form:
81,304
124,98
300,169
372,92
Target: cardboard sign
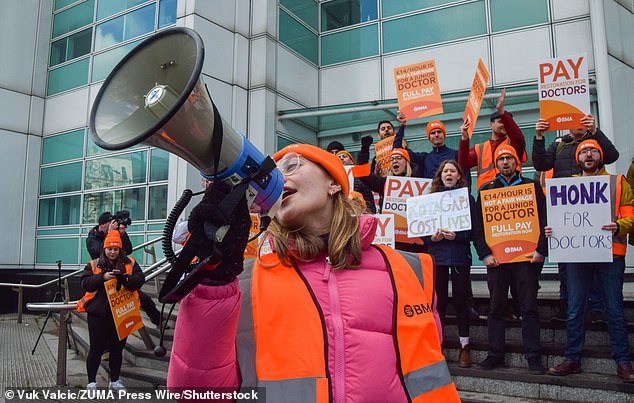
478,88
395,194
564,92
384,230
383,151
125,309
350,172
577,208
251,249
511,222
417,90
441,210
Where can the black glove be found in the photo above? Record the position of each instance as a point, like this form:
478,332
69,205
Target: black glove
366,141
217,209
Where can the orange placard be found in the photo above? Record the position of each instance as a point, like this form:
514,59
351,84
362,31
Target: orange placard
383,151
478,88
417,90
511,222
252,247
395,194
125,309
564,94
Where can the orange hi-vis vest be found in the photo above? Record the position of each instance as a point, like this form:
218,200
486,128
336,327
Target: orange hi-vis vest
544,176
486,165
81,304
285,349
619,243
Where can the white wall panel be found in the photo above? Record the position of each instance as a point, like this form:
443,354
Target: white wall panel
221,94
572,38
66,111
42,49
296,78
619,24
356,82
36,115
567,9
264,17
455,64
262,120
13,185
14,107
30,193
243,16
622,91
262,62
241,61
18,30
517,55
218,49
240,109
222,12
300,133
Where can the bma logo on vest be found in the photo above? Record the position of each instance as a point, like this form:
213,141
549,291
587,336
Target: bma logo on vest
418,309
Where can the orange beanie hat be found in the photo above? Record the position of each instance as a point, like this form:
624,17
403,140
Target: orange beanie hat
591,143
505,149
402,152
436,124
330,162
113,239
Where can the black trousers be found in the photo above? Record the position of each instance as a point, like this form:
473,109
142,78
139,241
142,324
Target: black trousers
525,277
460,286
103,335
148,305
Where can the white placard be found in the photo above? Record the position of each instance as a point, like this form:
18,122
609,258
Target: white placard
577,208
447,210
384,229
395,194
348,169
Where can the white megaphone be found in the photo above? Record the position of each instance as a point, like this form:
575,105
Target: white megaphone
156,96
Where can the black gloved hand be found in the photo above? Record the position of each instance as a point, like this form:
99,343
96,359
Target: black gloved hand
211,214
366,141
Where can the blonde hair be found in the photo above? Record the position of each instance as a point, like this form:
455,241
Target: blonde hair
344,241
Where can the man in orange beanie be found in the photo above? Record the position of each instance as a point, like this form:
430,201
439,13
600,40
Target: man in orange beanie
524,275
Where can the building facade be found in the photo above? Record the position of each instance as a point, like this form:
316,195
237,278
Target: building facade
280,72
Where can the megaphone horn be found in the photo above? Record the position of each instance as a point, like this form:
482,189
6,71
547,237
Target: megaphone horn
156,96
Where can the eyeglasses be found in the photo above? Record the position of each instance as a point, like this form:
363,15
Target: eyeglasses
396,158
289,164
592,151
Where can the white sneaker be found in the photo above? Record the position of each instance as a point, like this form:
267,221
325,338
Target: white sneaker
91,386
117,385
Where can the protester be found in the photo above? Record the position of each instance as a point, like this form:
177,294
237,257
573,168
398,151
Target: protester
112,264
559,161
318,319
608,275
523,274
385,129
359,187
334,147
452,253
503,130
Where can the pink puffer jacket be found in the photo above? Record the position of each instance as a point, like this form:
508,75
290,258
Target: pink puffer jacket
357,306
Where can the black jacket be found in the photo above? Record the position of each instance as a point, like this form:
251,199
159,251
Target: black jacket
94,242
479,240
90,282
565,162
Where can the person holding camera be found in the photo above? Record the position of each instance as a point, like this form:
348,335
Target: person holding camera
113,263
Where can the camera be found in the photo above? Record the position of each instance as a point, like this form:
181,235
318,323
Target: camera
122,218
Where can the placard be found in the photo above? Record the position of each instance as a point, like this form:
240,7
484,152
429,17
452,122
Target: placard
564,92
251,249
447,210
577,207
417,90
383,152
125,309
384,230
511,222
350,172
395,194
478,88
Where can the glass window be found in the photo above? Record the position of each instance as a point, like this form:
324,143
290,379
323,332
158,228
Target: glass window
125,27
59,211
393,7
73,18
103,63
434,27
62,147
167,13
350,44
132,200
106,8
71,47
61,178
159,165
341,13
69,76
507,14
63,3
53,249
120,170
157,203
139,253
305,10
297,37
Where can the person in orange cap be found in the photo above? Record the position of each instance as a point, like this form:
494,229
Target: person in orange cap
359,187
319,318
524,275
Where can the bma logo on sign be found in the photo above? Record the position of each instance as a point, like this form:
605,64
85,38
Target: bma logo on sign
417,309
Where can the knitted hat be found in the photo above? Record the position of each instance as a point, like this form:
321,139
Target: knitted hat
506,149
344,152
113,239
402,152
330,162
591,143
334,145
104,218
436,124
357,197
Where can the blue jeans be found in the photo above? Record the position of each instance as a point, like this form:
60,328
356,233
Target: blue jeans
609,278
595,301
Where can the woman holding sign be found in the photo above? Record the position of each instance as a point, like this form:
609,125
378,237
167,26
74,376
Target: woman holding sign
113,264
452,252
